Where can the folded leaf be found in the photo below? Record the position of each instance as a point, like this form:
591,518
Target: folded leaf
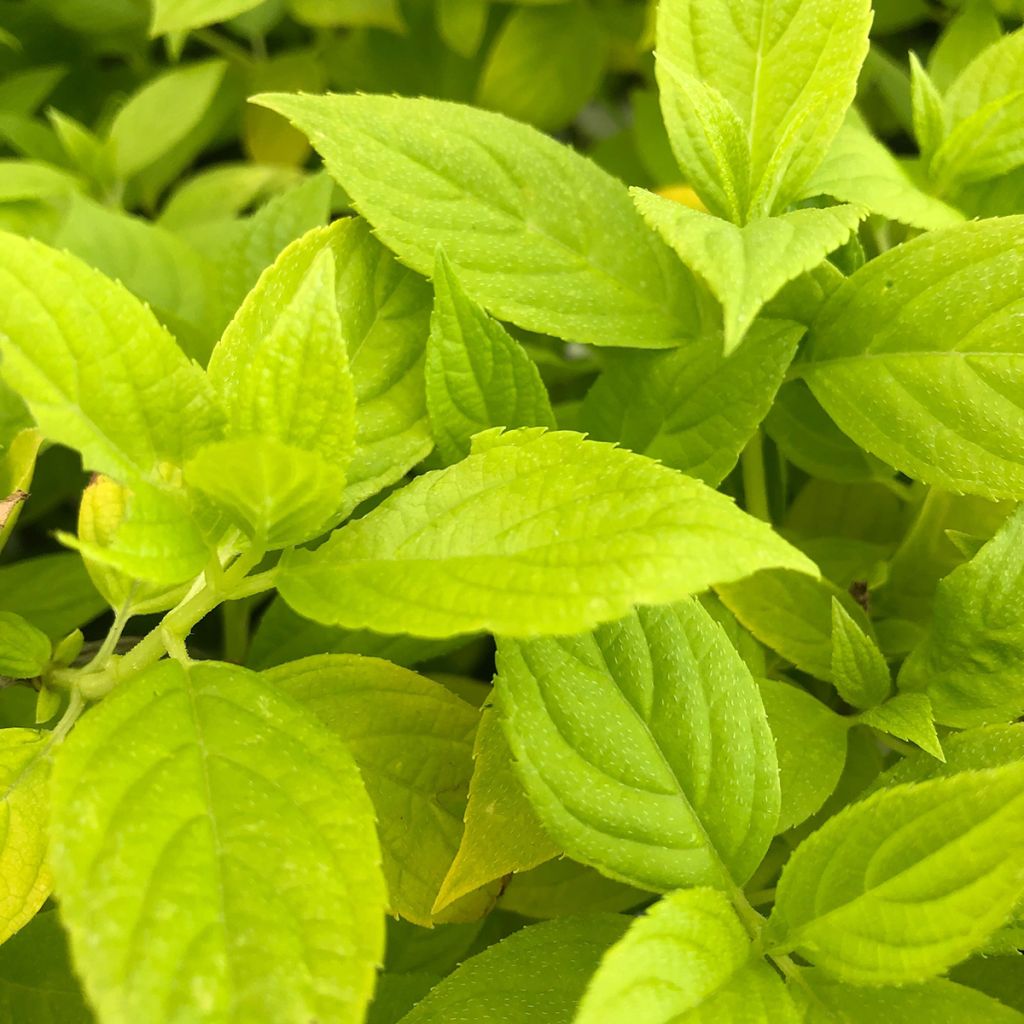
937,390
25,783
477,375
533,532
687,957
899,887
215,855
788,70
412,740
859,670
17,466
644,748
693,408
907,716
538,974
747,266
971,661
537,235
96,369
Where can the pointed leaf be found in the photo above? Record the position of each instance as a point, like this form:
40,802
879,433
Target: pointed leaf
538,235
541,506
644,748
859,670
24,650
215,855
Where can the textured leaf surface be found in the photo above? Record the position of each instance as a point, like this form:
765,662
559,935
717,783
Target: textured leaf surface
859,669
970,661
907,716
25,783
747,266
215,855
538,974
537,235
899,887
810,745
477,375
413,742
787,68
503,834
96,369
693,408
918,357
534,532
687,958
644,747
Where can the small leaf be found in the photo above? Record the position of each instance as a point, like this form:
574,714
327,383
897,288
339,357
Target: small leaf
951,849
536,975
859,670
540,237
25,783
96,369
503,834
930,118
541,505
688,956
24,650
174,804
477,375
182,15
907,716
17,467
746,266
644,748
53,592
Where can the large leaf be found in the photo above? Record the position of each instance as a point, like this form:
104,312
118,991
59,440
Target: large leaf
918,357
693,408
536,975
901,886
413,742
97,370
215,855
534,532
477,375
971,662
537,234
644,748
786,68
747,266
25,784
53,592
688,957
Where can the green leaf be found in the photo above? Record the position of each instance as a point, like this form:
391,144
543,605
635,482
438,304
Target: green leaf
17,466
545,64
970,661
25,783
746,266
930,118
936,390
859,670
810,746
24,650
36,980
503,834
412,740
215,855
276,494
155,540
937,1001
690,957
644,748
563,887
181,15
53,592
541,505
22,180
461,24
477,375
788,70
281,368
96,369
950,849
162,114
908,716
792,614
537,975
223,190
859,169
692,408
971,30
540,237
